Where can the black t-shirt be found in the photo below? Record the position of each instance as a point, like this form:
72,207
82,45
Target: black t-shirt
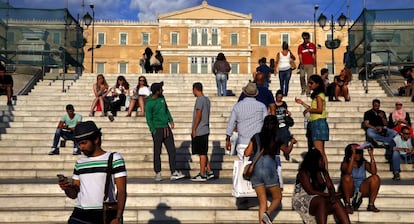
374,118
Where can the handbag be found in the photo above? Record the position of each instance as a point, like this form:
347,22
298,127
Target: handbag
249,168
292,64
241,188
154,61
110,209
289,121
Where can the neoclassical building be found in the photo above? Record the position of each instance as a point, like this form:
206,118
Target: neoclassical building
190,40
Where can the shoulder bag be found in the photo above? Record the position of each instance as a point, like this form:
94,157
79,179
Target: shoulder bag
248,169
110,209
154,61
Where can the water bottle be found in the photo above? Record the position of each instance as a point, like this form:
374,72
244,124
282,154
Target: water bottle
306,120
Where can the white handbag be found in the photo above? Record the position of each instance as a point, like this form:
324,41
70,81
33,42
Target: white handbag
241,188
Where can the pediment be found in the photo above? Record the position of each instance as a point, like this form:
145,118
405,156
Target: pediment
204,11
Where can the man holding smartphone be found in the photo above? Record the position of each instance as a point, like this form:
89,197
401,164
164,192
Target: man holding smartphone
89,177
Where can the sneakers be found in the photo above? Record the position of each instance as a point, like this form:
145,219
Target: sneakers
357,201
177,175
158,177
76,151
396,176
266,218
199,178
210,175
54,151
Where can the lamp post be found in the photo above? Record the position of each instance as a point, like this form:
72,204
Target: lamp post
314,36
332,43
88,20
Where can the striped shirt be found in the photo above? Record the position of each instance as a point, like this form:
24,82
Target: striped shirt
248,115
91,172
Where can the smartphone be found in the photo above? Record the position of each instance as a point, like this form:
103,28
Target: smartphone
61,176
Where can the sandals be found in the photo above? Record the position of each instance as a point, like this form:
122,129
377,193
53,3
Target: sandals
372,208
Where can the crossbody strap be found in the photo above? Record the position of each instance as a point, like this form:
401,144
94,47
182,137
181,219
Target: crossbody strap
108,175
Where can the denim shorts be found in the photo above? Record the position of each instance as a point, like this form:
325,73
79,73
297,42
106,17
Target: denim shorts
320,130
265,172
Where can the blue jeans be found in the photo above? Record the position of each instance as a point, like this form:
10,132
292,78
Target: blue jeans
284,79
221,81
387,138
66,135
396,160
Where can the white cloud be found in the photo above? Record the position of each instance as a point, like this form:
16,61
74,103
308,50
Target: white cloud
148,9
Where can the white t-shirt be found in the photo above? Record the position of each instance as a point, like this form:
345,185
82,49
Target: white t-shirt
91,172
284,61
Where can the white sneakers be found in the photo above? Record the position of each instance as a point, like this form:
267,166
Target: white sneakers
177,175
158,177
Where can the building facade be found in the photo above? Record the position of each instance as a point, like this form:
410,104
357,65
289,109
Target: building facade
190,40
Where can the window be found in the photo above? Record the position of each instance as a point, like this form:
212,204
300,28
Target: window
56,38
194,37
174,38
213,60
145,39
123,67
263,39
194,65
234,68
234,39
101,38
204,65
328,36
285,38
204,36
330,67
100,67
174,68
214,36
10,37
123,39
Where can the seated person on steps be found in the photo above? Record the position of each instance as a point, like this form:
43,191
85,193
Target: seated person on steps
375,122
100,90
403,147
354,181
341,84
6,84
399,118
116,97
65,129
139,97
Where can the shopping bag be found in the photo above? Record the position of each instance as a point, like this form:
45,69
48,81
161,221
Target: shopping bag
241,188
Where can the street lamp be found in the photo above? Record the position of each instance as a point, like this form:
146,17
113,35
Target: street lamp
88,20
314,35
332,43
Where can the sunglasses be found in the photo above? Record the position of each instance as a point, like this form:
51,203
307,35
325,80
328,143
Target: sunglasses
398,104
141,80
406,133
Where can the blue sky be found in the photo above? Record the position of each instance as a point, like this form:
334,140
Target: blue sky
262,10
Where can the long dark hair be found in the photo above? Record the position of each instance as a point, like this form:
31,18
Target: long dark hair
311,165
321,85
268,135
121,77
348,154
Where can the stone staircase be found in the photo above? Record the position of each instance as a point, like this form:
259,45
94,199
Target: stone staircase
30,194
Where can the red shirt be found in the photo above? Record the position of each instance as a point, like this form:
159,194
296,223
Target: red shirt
306,51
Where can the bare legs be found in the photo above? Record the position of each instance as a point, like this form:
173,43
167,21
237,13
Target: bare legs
95,102
261,196
320,145
321,207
